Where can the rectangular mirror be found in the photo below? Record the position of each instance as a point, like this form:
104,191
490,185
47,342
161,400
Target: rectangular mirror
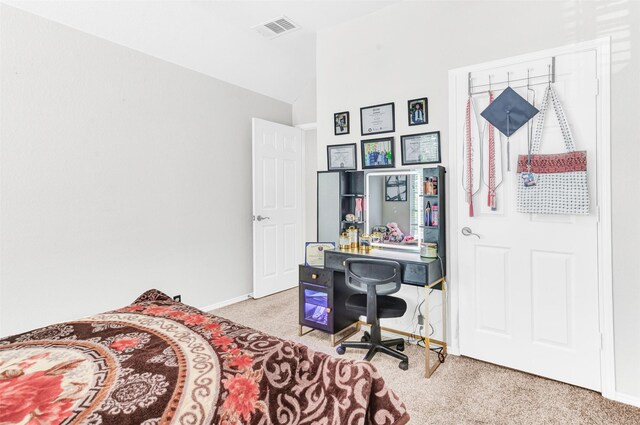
393,213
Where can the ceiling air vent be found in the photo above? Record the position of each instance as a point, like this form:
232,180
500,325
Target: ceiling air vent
276,27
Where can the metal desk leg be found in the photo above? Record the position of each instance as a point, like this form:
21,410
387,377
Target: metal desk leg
428,368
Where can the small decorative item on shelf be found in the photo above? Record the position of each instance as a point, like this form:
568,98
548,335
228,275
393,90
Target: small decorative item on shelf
434,215
429,250
427,214
359,208
345,241
431,186
353,236
350,217
365,243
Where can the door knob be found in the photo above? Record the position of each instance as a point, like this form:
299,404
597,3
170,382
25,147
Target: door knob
260,218
467,232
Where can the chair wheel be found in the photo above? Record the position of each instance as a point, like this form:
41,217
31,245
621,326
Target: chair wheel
404,365
400,347
366,337
340,349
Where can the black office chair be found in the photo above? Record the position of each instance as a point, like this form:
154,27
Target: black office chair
373,280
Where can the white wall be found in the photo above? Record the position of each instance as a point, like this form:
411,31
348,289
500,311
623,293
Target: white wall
304,108
404,51
119,173
304,112
311,185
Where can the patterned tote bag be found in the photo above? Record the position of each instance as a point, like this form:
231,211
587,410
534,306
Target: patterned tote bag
556,183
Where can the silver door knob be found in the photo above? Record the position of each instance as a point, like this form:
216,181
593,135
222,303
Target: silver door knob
260,218
467,232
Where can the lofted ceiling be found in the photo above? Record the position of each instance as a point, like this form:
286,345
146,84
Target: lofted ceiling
214,37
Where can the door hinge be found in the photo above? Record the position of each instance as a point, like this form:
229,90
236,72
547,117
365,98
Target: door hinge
602,341
597,86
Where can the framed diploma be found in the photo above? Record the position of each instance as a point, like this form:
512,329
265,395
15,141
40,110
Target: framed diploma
377,119
423,148
341,157
314,252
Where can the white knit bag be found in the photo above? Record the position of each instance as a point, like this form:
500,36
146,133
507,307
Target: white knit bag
561,179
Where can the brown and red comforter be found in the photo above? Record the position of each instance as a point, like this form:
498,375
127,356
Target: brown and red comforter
158,361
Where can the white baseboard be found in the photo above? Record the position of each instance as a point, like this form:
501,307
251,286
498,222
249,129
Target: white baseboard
226,302
627,399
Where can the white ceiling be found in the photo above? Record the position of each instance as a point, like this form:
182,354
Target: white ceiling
214,37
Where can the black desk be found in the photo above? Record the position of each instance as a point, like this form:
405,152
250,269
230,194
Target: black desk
416,271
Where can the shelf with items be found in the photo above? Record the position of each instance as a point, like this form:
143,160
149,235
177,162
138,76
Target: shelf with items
433,209
351,199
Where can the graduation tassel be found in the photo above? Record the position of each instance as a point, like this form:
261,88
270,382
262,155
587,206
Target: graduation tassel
491,198
469,159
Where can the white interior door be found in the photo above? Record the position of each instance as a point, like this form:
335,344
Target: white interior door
528,285
278,206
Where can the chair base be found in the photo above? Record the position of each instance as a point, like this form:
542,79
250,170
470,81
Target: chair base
378,347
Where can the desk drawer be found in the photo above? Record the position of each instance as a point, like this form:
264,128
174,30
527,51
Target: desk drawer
315,276
335,260
414,273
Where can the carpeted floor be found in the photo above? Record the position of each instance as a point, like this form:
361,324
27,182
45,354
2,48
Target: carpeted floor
462,390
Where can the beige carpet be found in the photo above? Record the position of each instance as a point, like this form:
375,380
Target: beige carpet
462,390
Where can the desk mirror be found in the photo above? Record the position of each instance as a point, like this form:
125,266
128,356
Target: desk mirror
393,209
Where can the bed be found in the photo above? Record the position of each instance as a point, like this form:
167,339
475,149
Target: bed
158,361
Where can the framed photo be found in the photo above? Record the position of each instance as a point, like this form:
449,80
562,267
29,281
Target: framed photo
418,111
341,157
314,252
378,153
395,188
378,119
423,148
341,123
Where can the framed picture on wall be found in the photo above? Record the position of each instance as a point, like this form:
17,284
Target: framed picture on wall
418,111
377,153
341,157
395,188
341,123
378,119
423,148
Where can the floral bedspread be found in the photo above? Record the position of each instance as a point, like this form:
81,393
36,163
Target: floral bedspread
158,361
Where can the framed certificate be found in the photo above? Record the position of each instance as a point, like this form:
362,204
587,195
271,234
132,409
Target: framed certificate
377,119
423,148
314,252
341,157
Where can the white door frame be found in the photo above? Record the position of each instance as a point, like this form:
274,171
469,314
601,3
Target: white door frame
602,46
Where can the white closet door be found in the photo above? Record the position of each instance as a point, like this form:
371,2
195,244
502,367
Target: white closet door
529,285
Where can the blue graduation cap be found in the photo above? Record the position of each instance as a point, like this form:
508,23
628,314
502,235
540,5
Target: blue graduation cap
509,111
